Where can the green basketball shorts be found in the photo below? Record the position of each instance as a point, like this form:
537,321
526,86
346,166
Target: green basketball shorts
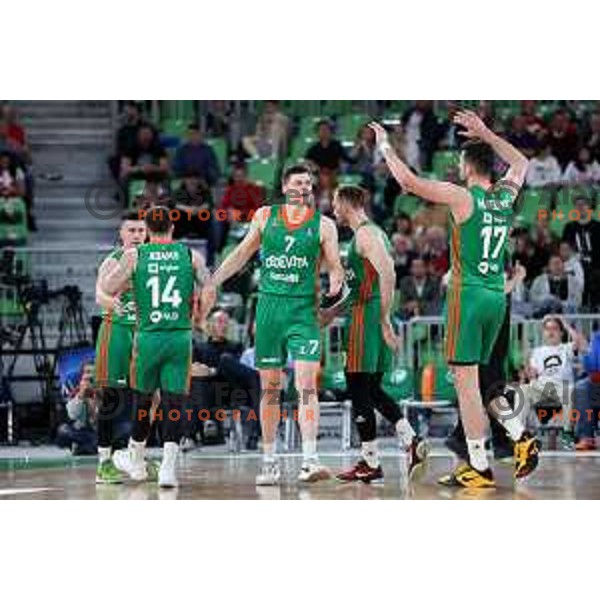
286,325
113,354
473,320
162,360
366,349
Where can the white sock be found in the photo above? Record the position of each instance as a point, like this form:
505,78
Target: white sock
477,454
370,454
104,454
309,451
137,451
514,428
405,432
170,450
268,452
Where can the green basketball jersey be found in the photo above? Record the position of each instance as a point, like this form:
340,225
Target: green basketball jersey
361,276
129,316
163,283
290,255
478,246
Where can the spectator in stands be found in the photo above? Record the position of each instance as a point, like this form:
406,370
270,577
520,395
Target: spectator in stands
219,117
520,137
327,152
533,122
423,134
270,139
532,257
126,137
79,433
587,398
146,159
403,224
195,156
15,132
592,140
229,382
551,372
544,170
431,214
403,254
436,251
364,154
584,237
12,178
419,292
583,170
555,291
543,238
563,138
241,195
572,263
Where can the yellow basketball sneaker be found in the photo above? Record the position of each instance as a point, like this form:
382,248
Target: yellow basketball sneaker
468,477
527,451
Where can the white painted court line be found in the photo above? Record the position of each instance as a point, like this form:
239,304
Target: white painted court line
16,491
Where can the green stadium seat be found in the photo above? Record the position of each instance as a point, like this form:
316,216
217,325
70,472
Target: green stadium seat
13,221
349,126
262,171
350,179
406,203
399,383
529,203
308,126
443,161
175,127
219,146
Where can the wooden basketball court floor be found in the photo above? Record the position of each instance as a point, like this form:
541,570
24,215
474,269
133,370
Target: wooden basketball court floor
216,476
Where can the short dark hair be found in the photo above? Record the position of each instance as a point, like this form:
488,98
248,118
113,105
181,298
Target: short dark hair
131,215
479,155
354,195
298,169
194,126
158,219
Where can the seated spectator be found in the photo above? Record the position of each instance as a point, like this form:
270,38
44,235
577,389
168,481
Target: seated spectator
270,139
327,152
403,255
555,291
572,263
544,170
534,258
592,140
228,383
534,124
195,156
584,237
146,159
15,132
587,398
126,137
543,238
241,195
12,178
551,373
79,433
520,137
364,155
563,138
403,224
419,292
583,170
436,250
431,214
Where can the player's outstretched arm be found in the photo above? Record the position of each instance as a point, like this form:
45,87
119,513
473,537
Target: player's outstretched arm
439,192
516,160
116,278
370,245
331,255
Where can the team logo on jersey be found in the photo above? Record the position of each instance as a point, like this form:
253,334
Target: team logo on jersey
286,262
155,316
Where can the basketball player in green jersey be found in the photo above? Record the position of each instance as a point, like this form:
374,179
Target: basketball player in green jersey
480,217
291,238
163,275
370,339
113,349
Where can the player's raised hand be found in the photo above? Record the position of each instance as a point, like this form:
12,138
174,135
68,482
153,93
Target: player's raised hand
519,272
208,299
381,135
474,126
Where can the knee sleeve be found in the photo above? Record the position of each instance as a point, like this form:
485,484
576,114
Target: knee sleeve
362,405
110,404
142,404
173,416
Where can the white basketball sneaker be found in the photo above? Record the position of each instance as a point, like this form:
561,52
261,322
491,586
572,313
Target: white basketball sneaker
312,472
269,475
136,469
167,477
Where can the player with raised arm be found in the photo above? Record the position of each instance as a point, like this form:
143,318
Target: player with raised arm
113,348
163,275
480,217
370,339
292,238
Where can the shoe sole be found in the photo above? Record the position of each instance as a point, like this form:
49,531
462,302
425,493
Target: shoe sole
315,477
105,482
532,466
